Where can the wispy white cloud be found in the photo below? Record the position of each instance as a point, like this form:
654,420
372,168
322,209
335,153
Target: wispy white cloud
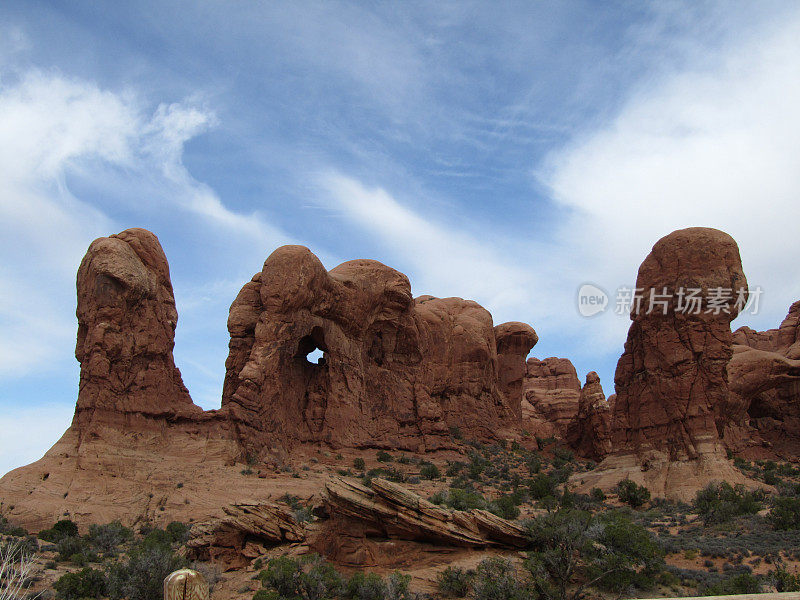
714,144
50,127
440,259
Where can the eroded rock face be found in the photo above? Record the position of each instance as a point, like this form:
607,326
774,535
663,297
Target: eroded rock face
589,434
387,511
244,533
514,342
126,331
552,392
136,433
672,377
396,372
762,416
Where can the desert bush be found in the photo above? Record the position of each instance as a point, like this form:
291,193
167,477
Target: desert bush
62,529
741,583
598,495
383,456
397,586
74,549
454,468
429,471
720,502
86,583
504,507
455,582
311,578
784,581
211,572
785,513
459,499
534,465
370,586
575,550
177,532
359,464
140,577
107,538
7,528
495,579
632,493
541,486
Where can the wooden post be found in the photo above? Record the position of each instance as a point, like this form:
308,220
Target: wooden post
185,584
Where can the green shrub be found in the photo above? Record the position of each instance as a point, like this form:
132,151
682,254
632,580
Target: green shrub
86,583
267,595
319,580
785,513
632,494
742,583
720,502
459,499
365,586
70,547
62,529
598,495
454,468
784,581
455,582
384,456
142,575
359,464
573,547
455,431
495,579
504,507
107,538
177,532
541,486
7,528
429,471
311,578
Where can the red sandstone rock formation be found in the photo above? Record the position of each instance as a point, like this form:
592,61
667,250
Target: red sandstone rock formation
135,432
672,377
763,411
126,333
396,372
367,524
243,534
514,341
589,434
552,391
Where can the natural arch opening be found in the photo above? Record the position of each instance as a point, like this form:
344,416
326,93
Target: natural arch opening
312,348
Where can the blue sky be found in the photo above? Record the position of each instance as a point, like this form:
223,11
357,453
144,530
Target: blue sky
501,151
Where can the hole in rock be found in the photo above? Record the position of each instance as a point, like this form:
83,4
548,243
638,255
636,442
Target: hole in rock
312,348
315,356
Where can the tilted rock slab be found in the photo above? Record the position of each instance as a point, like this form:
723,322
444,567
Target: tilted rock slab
391,511
244,533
